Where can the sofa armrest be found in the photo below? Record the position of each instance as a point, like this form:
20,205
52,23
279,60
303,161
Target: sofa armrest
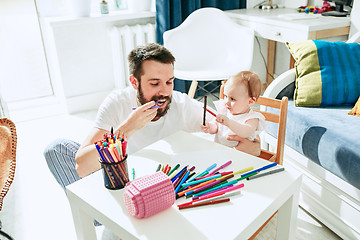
354,38
280,83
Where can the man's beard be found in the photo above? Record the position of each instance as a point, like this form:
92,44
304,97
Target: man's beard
160,112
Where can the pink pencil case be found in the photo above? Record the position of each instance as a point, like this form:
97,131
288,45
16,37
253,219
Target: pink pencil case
149,195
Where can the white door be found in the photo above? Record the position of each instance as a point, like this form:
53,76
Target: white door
24,73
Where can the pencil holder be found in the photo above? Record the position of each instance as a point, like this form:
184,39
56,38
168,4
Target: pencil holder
115,174
149,195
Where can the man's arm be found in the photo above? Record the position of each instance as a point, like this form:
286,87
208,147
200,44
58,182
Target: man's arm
247,146
87,157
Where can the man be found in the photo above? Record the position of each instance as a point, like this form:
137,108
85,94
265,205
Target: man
159,112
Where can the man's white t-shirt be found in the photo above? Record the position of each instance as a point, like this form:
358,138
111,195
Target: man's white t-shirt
184,114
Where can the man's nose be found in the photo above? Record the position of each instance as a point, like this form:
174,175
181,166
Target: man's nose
165,90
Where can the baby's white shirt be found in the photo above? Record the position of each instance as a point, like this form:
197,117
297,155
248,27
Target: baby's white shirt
224,131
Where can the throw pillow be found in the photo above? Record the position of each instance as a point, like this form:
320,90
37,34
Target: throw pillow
327,73
356,109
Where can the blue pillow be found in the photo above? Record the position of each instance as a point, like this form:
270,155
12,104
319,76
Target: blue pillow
327,73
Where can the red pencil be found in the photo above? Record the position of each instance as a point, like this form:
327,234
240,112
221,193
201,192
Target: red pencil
211,112
165,168
197,200
205,203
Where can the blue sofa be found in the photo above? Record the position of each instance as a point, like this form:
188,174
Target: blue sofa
323,143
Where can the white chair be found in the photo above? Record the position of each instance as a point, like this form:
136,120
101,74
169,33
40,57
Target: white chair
209,46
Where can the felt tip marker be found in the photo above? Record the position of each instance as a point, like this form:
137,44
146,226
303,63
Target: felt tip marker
155,106
265,173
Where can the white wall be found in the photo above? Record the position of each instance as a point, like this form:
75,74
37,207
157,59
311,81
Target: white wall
23,66
80,56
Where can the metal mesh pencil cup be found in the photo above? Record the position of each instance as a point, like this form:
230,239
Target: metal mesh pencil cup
115,174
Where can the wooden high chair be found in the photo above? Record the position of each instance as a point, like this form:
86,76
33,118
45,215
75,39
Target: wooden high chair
280,119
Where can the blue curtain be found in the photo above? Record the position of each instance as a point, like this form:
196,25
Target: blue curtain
171,13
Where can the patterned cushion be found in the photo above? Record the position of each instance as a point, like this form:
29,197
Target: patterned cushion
327,73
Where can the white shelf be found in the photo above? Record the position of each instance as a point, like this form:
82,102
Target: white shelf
99,18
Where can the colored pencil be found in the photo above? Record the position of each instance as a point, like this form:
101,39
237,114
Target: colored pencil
173,169
221,167
265,174
205,203
197,186
205,103
203,173
182,181
211,112
158,168
201,180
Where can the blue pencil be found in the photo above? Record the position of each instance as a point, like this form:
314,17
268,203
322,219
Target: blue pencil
103,158
203,173
260,169
182,181
178,174
201,180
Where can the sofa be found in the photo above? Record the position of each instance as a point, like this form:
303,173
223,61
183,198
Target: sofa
322,142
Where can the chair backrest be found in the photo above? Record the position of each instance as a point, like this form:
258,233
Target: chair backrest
8,142
280,119
209,45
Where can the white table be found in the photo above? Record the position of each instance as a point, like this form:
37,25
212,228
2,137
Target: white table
237,219
276,26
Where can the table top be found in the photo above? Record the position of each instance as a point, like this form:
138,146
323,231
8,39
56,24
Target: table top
239,218
284,17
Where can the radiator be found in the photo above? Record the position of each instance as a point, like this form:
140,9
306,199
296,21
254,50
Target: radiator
123,40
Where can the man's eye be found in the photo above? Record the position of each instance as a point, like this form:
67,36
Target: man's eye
169,82
154,84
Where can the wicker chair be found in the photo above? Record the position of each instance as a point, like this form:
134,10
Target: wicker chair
8,143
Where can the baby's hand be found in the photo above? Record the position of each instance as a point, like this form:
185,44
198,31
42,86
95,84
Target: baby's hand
205,128
220,118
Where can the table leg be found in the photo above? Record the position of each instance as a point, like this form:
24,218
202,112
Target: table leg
287,216
84,224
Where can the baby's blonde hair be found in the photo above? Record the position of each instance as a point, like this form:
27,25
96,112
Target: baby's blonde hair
250,80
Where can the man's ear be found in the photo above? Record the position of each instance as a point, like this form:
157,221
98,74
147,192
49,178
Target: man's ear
134,82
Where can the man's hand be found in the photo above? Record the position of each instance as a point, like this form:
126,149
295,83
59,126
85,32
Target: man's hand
137,120
245,145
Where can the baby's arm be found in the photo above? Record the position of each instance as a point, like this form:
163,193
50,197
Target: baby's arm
210,127
242,130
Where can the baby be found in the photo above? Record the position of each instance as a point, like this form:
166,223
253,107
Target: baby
234,113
